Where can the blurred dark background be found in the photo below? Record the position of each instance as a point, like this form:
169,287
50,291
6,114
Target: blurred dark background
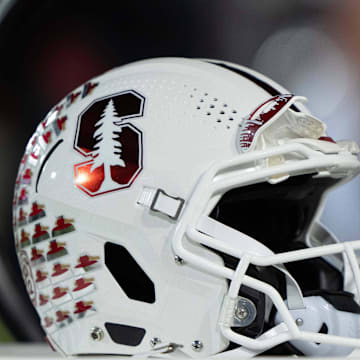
47,48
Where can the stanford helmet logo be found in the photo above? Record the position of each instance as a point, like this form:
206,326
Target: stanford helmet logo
111,143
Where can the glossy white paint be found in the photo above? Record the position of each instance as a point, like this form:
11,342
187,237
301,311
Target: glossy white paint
192,155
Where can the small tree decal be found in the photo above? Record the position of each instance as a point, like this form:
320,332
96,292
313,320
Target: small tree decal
108,147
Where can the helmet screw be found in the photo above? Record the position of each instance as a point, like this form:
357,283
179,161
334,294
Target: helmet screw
299,322
197,345
245,312
155,341
241,313
96,334
178,260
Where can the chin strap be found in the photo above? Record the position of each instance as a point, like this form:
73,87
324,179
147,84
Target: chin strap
294,294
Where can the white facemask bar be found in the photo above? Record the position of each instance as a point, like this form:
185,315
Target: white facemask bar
293,333
224,176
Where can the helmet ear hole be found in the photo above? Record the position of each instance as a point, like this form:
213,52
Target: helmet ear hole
134,282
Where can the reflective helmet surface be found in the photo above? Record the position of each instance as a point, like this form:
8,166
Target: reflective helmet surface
147,207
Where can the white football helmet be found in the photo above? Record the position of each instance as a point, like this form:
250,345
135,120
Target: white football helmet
170,208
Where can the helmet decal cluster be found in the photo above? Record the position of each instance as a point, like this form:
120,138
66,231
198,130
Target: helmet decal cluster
58,285
259,117
111,143
55,284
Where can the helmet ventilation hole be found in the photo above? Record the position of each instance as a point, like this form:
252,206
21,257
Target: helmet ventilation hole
134,282
205,102
125,334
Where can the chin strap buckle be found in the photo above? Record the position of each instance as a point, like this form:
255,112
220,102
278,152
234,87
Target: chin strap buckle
159,201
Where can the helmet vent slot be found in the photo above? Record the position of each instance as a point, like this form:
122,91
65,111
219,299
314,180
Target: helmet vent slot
212,107
125,334
128,274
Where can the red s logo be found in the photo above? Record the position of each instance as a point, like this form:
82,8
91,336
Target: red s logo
112,144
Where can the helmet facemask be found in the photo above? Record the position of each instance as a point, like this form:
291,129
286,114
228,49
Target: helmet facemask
261,217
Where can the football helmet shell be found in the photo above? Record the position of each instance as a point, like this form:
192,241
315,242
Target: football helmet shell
112,203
